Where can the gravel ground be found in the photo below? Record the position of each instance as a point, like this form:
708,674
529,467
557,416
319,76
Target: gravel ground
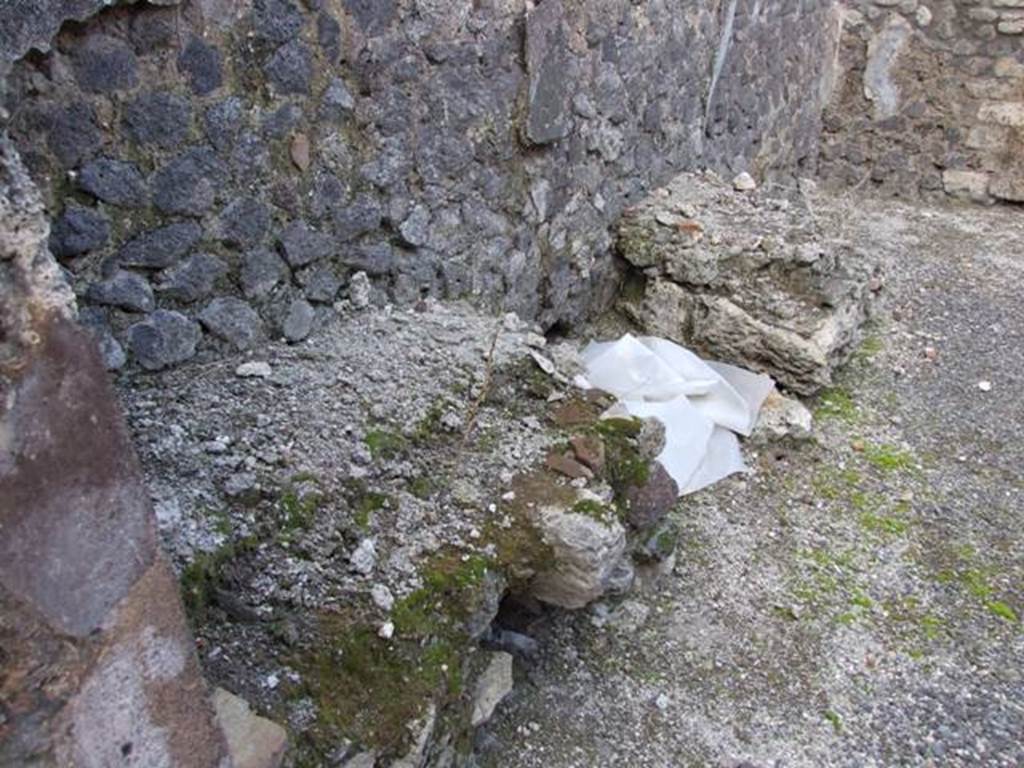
855,601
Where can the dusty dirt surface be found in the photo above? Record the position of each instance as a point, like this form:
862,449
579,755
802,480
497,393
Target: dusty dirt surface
855,601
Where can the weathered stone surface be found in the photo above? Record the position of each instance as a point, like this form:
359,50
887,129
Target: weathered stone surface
126,290
493,685
1008,186
163,339
160,248
145,696
589,451
320,284
253,741
105,65
222,122
234,321
302,245
202,64
299,321
79,230
262,269
72,133
94,319
61,523
194,278
966,185
647,504
244,222
290,69
548,63
337,101
585,553
276,21
159,118
115,182
328,35
189,183
782,418
26,24
748,280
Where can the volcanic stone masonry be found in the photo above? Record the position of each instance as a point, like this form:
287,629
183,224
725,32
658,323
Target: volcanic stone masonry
218,171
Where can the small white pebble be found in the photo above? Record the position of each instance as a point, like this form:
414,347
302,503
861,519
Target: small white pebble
271,681
255,370
386,631
985,386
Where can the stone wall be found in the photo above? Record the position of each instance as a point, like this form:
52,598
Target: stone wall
932,99
98,666
218,171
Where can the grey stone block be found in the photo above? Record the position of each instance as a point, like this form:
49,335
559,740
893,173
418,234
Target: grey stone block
158,118
105,65
78,230
126,290
114,181
298,322
234,321
202,64
290,69
160,248
262,270
302,245
189,183
244,222
163,339
194,278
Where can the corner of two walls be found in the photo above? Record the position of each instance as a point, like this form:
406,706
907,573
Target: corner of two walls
214,169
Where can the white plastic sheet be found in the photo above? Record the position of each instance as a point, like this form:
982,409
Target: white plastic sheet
703,405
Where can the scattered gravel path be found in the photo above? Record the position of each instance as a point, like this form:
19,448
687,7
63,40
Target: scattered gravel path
854,602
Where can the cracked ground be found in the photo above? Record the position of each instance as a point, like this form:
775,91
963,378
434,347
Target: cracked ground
855,601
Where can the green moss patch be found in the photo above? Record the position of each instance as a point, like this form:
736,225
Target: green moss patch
837,403
385,444
204,575
369,690
452,583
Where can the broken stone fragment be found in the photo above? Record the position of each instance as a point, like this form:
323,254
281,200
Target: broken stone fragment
589,451
364,558
782,418
649,502
253,741
299,151
298,323
769,287
125,290
744,182
493,685
163,339
563,464
234,321
586,548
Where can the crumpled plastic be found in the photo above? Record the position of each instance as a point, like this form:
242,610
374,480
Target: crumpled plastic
704,405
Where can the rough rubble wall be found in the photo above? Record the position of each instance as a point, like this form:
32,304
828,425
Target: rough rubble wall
932,99
98,665
217,171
